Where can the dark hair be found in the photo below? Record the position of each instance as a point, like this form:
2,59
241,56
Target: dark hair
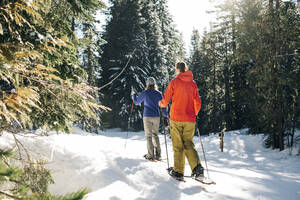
151,87
181,66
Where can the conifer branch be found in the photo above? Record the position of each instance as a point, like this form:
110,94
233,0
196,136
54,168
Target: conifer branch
110,82
17,143
9,195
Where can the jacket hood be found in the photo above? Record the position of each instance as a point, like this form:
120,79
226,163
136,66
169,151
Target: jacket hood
185,76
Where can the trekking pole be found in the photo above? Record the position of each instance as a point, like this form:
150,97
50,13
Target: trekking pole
202,148
163,126
129,123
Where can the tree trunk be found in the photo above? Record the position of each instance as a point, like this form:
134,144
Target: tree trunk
228,118
215,92
90,67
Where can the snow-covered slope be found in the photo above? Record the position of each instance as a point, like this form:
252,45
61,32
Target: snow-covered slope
245,170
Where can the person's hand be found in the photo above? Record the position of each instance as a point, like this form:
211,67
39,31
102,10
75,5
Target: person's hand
159,104
166,121
133,92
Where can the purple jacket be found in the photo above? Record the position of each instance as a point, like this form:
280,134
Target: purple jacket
150,99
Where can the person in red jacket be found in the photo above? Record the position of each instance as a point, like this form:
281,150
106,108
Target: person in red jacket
186,104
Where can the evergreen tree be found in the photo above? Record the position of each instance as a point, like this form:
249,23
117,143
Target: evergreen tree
198,64
90,49
268,48
205,64
147,27
154,38
66,61
126,43
41,83
171,40
291,68
255,65
214,105
245,100
89,55
42,66
226,33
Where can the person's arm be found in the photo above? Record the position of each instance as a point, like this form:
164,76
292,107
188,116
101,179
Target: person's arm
167,96
163,110
138,99
197,101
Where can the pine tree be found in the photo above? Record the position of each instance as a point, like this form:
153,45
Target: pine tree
226,31
41,84
252,69
267,39
291,68
248,110
126,42
154,41
89,55
39,62
172,40
263,48
147,27
199,65
214,99
205,64
66,61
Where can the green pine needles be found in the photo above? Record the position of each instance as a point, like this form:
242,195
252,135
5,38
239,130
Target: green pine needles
247,69
41,84
28,183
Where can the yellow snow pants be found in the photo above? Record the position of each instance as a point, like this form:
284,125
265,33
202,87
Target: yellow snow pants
182,140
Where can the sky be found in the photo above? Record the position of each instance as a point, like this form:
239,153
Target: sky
190,14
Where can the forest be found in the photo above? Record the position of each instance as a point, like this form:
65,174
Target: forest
59,69
246,64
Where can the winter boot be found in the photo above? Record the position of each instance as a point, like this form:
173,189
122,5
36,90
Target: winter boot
198,172
147,157
157,157
174,173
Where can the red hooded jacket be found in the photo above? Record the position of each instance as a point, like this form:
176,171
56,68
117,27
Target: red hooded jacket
186,102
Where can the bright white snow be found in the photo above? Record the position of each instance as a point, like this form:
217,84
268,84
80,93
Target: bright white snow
245,170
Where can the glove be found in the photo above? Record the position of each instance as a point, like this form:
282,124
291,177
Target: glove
160,104
166,121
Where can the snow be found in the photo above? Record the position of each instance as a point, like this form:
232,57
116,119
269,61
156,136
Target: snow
245,170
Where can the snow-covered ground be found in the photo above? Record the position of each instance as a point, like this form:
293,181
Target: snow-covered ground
245,170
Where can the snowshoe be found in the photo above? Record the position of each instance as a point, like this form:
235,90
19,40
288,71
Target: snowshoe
205,181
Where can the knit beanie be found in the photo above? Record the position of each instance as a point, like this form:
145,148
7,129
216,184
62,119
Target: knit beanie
150,81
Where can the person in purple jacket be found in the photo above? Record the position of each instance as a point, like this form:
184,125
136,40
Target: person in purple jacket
151,96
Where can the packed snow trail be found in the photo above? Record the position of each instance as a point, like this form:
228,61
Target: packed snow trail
245,170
